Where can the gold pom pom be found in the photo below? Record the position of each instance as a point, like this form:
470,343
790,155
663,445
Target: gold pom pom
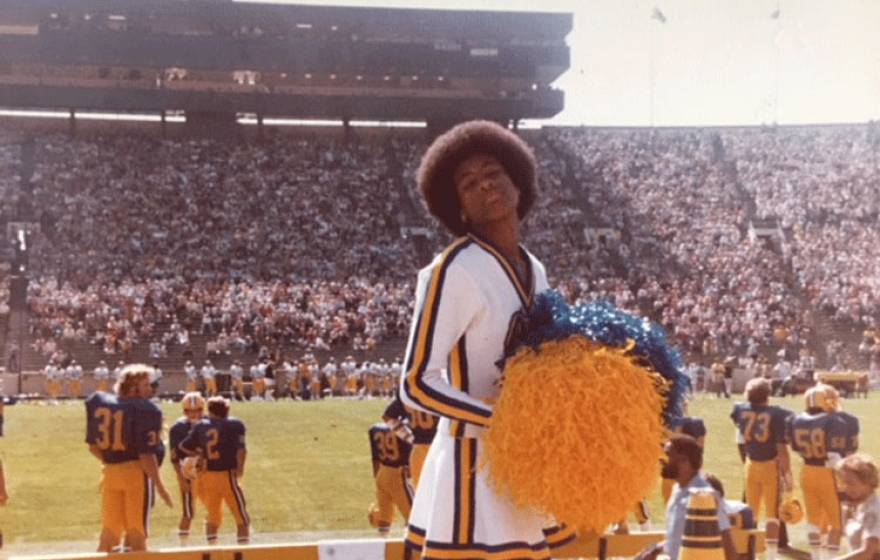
576,433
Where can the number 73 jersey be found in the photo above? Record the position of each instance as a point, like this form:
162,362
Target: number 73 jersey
122,429
762,428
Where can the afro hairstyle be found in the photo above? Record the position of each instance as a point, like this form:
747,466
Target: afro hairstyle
435,176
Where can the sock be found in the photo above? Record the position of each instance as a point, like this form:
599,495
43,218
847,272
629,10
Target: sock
832,550
772,548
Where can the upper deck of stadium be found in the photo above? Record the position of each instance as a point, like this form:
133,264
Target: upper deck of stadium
282,60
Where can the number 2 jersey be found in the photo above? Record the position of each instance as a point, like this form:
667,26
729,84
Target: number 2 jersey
387,448
763,427
218,440
123,429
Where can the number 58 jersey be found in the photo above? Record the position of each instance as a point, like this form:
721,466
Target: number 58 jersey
812,436
762,428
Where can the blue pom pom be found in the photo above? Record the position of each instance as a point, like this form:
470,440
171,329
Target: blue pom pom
551,318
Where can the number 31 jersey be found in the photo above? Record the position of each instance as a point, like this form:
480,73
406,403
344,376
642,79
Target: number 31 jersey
122,429
762,428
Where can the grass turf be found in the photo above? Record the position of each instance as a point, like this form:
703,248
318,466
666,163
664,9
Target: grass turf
308,469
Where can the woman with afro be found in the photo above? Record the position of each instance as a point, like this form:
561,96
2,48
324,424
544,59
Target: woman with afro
479,180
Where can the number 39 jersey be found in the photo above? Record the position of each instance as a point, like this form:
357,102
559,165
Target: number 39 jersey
218,440
387,448
812,436
122,429
762,428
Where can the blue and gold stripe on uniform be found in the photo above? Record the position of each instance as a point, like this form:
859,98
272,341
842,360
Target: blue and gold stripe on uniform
239,498
465,488
559,535
414,386
524,292
458,375
508,551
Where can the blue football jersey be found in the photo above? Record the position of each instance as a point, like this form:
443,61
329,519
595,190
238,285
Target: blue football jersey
762,427
177,434
387,448
812,436
218,440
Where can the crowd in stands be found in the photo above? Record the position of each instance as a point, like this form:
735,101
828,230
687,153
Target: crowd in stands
254,243
128,206
10,162
685,257
234,317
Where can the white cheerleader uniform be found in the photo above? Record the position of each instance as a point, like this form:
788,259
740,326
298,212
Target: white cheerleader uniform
467,304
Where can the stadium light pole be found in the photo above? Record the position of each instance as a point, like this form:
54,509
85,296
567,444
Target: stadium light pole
658,16
776,16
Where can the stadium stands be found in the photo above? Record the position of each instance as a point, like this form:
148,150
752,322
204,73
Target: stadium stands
295,243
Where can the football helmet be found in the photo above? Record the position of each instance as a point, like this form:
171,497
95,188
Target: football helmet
832,397
817,397
193,401
791,511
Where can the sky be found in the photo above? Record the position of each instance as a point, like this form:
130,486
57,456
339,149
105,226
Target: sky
713,62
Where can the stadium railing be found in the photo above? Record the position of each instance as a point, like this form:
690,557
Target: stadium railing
748,544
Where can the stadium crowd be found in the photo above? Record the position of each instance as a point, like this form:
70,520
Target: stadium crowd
686,258
259,241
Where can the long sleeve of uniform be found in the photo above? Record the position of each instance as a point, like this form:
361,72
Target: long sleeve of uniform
447,300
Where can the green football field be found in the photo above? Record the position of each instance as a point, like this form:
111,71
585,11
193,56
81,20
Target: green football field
308,473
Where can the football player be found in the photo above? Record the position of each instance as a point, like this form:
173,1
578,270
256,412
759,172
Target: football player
819,436
123,432
390,445
74,375
833,404
258,373
220,439
209,378
236,374
102,376
53,382
423,427
762,428
315,385
193,412
192,376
